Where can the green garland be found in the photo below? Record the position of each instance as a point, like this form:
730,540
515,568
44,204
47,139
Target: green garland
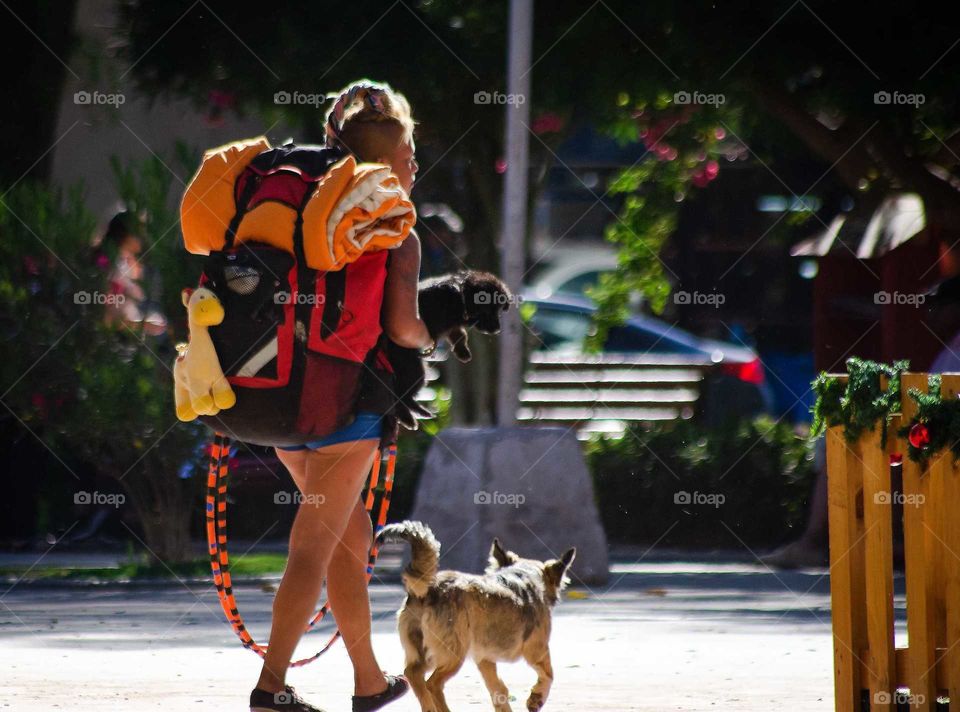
859,404
939,420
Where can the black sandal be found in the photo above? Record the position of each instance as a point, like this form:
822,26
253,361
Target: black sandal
286,701
397,685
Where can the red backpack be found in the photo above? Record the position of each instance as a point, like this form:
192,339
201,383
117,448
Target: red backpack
301,347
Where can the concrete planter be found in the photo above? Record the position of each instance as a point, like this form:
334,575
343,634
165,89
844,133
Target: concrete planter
528,486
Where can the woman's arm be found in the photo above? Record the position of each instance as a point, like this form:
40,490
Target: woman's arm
401,317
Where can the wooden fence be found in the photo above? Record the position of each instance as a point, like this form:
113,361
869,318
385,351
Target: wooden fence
869,667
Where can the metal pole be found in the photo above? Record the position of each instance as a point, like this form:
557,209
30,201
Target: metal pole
514,226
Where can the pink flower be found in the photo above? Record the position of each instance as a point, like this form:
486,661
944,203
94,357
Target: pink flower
500,166
699,179
665,152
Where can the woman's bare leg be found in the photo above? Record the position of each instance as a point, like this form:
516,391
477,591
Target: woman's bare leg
347,588
332,480
350,600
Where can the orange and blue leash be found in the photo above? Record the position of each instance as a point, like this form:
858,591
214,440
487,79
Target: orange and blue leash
216,521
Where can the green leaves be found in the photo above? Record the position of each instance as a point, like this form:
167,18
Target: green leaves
683,146
761,468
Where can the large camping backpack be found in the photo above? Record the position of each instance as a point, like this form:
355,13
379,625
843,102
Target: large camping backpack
301,280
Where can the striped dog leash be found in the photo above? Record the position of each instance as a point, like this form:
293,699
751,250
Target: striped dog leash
216,520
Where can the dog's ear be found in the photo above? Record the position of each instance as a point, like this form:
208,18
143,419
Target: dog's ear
555,570
500,557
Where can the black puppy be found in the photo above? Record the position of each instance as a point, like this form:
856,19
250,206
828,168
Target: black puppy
451,303
448,305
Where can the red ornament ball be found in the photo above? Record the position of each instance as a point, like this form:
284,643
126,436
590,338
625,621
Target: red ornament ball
919,436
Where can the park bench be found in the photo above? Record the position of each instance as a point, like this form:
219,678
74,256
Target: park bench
605,392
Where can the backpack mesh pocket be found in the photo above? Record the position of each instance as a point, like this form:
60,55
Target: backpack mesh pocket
241,279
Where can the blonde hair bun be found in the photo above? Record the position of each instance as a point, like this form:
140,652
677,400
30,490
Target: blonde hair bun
368,118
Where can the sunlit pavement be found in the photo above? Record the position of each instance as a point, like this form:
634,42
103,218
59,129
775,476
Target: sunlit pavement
657,637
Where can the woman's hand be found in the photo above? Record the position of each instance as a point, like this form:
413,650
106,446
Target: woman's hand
401,316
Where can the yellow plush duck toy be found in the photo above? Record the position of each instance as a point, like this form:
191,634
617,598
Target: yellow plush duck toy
200,386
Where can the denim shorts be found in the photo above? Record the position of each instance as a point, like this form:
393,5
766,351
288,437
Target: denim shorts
366,426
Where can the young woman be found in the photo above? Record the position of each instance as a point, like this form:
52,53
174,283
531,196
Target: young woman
332,533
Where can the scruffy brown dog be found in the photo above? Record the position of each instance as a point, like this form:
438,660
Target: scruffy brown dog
501,615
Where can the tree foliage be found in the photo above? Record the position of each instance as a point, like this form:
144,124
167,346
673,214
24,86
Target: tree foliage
795,78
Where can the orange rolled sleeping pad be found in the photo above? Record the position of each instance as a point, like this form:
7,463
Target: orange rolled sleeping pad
353,208
356,207
208,204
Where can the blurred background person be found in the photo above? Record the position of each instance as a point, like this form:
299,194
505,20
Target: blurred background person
441,238
118,253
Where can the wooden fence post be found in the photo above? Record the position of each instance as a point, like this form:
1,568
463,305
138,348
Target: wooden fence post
845,496
921,613
950,517
878,493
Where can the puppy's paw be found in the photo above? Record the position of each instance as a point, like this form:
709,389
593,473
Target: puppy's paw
458,340
535,702
462,352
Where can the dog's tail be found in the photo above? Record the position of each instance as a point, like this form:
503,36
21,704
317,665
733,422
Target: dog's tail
421,572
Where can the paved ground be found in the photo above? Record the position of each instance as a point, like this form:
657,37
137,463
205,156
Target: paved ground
657,637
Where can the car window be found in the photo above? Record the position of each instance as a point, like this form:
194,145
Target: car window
580,283
635,339
568,329
558,328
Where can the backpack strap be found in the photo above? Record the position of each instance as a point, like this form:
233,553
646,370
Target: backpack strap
335,282
253,180
312,162
305,275
336,289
